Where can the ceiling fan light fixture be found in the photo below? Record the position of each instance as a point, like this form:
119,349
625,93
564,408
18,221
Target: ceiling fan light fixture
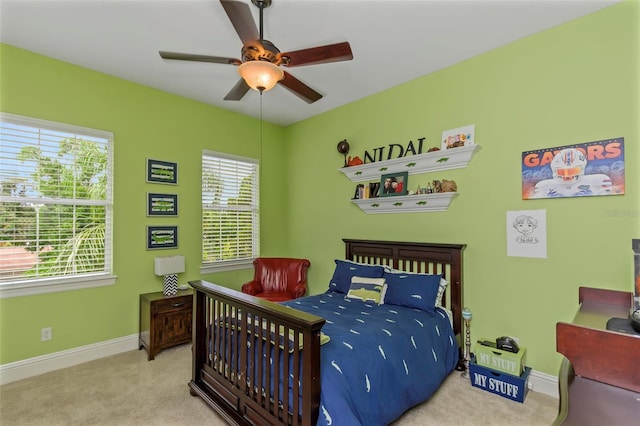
260,75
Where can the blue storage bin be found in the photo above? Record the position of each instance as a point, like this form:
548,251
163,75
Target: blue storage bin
503,384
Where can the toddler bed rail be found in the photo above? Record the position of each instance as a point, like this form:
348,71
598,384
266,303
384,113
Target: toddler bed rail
236,382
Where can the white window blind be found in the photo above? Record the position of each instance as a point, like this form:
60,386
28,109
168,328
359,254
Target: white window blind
55,201
230,211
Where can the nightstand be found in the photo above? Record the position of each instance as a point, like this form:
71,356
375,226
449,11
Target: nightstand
165,321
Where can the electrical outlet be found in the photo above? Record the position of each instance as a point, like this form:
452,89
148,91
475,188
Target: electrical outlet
46,334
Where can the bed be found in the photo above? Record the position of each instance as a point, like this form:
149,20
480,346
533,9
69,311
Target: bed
331,358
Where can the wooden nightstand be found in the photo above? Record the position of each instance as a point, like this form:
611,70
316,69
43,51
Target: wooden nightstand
165,321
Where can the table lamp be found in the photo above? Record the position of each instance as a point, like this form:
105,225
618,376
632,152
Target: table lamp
466,316
169,267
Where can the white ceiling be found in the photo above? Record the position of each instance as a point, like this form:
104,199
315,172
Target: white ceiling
392,41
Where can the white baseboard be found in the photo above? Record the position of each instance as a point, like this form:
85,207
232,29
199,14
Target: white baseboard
43,364
538,382
543,383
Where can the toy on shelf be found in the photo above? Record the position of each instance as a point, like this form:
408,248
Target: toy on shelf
448,186
355,161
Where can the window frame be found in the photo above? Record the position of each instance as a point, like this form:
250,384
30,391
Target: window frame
239,263
43,285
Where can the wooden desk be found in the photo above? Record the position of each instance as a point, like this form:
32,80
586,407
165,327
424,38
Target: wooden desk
599,379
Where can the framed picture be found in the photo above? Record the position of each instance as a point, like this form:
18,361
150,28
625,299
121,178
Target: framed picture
393,184
162,237
588,169
162,172
162,204
462,136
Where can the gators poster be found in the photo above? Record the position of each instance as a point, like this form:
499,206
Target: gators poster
579,170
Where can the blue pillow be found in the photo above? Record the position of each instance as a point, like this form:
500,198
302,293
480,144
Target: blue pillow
345,270
412,290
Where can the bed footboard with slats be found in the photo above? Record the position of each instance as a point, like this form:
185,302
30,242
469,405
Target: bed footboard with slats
255,362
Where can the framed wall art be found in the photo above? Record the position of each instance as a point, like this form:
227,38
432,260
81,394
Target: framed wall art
393,184
162,204
162,172
578,170
162,237
462,136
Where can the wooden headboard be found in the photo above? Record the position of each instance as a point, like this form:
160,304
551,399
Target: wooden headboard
430,258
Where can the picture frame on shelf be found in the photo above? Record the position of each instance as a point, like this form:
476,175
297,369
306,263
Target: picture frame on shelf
162,172
162,237
394,184
162,204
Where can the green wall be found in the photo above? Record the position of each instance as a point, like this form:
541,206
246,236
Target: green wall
147,123
574,83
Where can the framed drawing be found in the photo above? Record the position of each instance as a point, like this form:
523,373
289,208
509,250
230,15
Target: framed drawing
462,136
162,237
162,204
162,171
393,184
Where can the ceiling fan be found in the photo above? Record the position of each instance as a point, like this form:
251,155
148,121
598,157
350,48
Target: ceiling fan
260,55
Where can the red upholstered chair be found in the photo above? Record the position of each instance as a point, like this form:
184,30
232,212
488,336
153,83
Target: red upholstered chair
278,278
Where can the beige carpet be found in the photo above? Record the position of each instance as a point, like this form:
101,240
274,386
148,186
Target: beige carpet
126,389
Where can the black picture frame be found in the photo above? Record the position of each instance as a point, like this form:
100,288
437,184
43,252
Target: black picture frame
162,172
162,204
390,190
162,237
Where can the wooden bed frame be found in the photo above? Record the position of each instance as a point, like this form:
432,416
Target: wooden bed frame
223,378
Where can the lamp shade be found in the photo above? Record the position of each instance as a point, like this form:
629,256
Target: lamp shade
260,75
168,265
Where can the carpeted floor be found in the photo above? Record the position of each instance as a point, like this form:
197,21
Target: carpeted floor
126,389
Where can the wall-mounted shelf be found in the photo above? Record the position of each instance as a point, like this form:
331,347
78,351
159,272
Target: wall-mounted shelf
406,203
446,159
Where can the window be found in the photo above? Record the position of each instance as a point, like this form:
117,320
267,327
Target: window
230,212
55,206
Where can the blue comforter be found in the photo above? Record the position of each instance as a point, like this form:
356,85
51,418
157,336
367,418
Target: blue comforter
380,361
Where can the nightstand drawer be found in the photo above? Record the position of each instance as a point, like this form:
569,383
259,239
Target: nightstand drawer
171,305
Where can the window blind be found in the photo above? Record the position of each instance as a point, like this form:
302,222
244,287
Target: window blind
230,210
55,200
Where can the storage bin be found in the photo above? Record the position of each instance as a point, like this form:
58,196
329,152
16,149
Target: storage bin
505,385
499,360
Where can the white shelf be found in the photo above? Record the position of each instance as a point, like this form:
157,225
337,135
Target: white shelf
407,203
446,159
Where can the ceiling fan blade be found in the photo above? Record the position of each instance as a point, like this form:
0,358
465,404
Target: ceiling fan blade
319,55
300,89
242,20
238,91
199,58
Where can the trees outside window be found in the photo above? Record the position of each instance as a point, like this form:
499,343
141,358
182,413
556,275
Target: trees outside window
230,211
55,200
